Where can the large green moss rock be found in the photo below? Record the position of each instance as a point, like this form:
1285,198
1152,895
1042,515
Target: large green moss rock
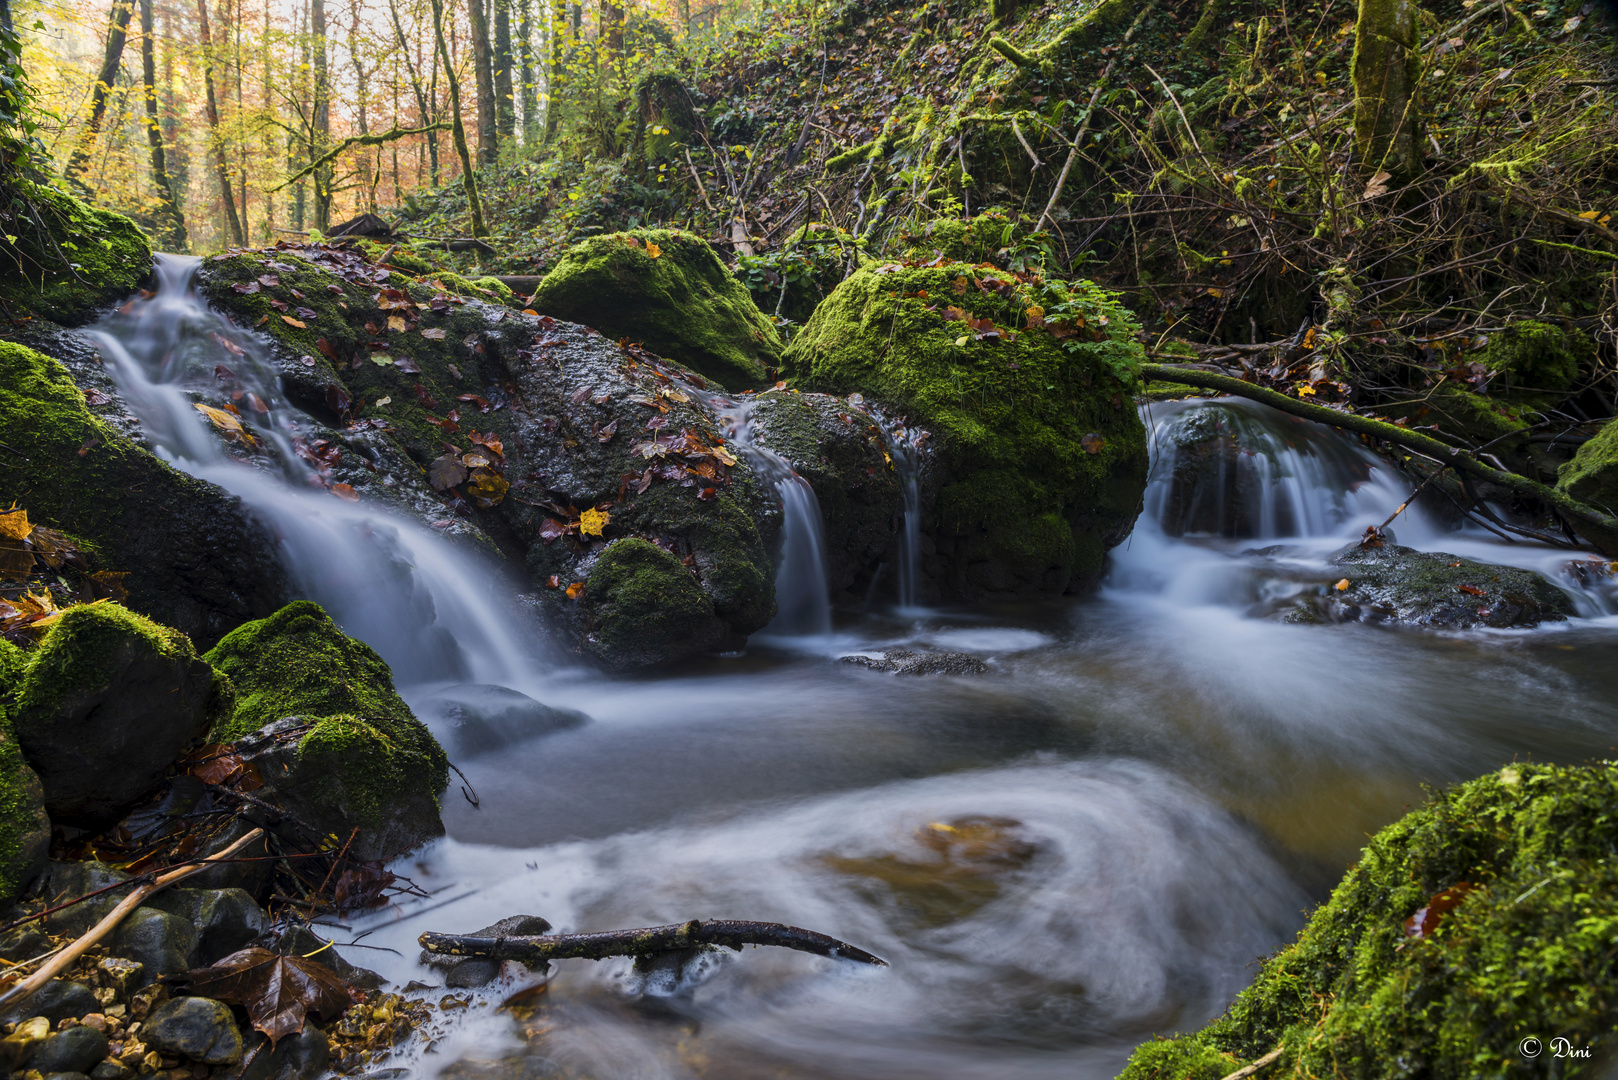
681,303
1028,389
25,830
68,260
195,560
641,606
1528,951
298,663
109,700
1592,475
1535,358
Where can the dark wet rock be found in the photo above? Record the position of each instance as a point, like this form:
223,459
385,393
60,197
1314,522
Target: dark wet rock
196,561
471,974
111,1070
62,999
163,944
305,1055
64,1076
840,450
301,941
65,881
195,1028
477,719
108,701
120,973
1392,584
76,1050
244,873
23,943
225,919
906,662
25,828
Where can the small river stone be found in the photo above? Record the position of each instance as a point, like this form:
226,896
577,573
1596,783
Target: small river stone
160,941
111,1070
61,999
470,974
200,1029
76,1050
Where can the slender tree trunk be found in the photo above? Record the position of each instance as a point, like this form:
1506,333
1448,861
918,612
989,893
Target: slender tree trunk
154,133
557,77
1386,70
362,87
238,26
427,113
483,71
505,99
295,146
220,163
525,53
117,34
320,135
457,129
269,143
612,31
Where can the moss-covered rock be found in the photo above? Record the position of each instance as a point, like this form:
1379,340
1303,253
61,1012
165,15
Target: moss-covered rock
1465,415
486,288
1592,475
680,303
69,260
1527,951
109,700
1535,358
298,663
13,661
25,831
641,606
1028,388
195,560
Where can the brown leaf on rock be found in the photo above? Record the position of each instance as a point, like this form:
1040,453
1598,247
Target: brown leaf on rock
434,334
446,471
1092,443
290,321
279,992
1426,920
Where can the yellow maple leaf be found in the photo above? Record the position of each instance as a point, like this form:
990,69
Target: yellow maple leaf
14,525
575,590
592,521
226,423
653,250
397,323
1341,586
1306,391
488,488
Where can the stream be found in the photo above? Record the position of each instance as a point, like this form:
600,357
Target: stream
1090,845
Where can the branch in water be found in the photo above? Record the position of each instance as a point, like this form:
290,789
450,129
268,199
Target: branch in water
731,933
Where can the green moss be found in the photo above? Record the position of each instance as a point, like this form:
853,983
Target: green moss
1535,357
406,259
497,287
75,652
643,606
1035,430
298,663
70,259
12,662
484,288
368,765
24,827
682,304
1465,415
1529,951
1592,475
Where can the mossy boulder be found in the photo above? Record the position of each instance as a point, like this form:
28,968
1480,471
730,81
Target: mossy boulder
1592,475
1027,388
840,450
65,259
195,560
1535,358
109,700
1526,951
641,606
680,302
1465,415
298,663
1401,586
25,830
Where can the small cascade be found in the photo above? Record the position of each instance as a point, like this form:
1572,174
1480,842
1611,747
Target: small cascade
802,593
904,446
426,605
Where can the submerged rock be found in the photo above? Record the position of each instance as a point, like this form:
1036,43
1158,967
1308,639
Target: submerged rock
668,291
1464,927
109,700
907,662
1042,457
1393,584
479,719
194,559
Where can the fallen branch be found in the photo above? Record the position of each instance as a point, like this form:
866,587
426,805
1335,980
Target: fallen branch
376,139
1248,1070
730,933
1598,528
117,915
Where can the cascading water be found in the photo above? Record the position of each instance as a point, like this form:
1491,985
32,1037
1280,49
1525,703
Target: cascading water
904,446
429,607
802,594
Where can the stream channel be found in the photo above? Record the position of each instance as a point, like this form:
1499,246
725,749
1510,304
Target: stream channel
1091,844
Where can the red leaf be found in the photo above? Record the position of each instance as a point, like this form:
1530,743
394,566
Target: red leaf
1424,922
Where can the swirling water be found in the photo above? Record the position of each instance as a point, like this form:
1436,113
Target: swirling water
1089,846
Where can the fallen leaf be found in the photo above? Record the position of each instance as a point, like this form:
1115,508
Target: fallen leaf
326,349
1341,586
606,433
446,472
396,323
227,423
345,492
1471,590
592,521
279,992
487,489
1426,920
407,365
708,494
93,396
14,525
653,250
290,321
1092,443
1378,185
575,590
434,334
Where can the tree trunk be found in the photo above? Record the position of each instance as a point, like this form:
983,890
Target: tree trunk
526,72
1386,70
320,110
221,166
176,237
457,129
483,71
426,111
557,76
117,34
505,100
612,31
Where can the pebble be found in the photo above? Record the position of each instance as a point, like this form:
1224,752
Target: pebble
76,1050
196,1028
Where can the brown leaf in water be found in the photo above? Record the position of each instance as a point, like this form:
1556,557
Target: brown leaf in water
345,492
1471,590
279,992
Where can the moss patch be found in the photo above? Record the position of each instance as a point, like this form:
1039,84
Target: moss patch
1529,951
1037,422
1465,415
298,663
682,303
24,829
369,765
1592,475
1530,356
642,606
75,653
12,662
70,259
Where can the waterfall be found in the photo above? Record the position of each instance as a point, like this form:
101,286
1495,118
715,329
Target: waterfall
802,592
427,605
905,450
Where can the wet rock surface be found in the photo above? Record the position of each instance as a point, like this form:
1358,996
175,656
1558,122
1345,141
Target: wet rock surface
195,1028
1398,585
908,662
476,719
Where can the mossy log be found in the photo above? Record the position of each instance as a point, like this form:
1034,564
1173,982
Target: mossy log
729,933
1598,528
